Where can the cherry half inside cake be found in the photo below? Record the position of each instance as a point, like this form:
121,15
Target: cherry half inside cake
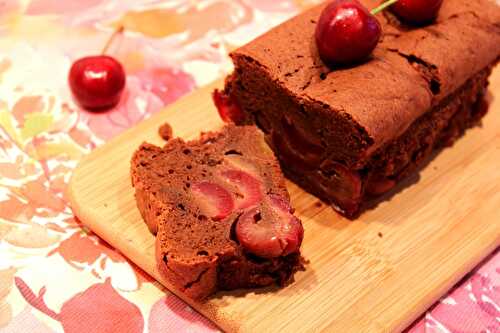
265,226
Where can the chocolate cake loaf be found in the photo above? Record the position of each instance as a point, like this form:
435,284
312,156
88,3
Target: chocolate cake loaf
348,134
220,211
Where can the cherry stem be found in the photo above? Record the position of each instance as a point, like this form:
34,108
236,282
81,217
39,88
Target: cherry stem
383,6
117,32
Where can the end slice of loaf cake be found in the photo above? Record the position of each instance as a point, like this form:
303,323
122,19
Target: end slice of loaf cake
220,211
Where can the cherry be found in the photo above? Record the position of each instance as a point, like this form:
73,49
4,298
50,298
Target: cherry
297,150
229,110
378,185
97,82
258,236
340,183
417,11
307,147
289,157
249,188
293,231
271,231
346,33
214,200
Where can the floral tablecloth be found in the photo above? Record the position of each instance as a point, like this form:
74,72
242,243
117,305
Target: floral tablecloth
56,275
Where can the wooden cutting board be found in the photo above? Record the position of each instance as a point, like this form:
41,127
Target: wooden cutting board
375,274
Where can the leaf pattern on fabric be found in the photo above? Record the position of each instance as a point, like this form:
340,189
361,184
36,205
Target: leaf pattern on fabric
36,123
81,248
44,7
13,209
100,305
25,106
31,236
168,307
194,19
6,282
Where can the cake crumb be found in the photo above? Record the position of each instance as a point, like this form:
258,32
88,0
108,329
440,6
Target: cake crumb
380,235
165,131
318,204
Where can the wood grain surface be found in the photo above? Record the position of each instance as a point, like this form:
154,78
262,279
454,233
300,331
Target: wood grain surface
375,274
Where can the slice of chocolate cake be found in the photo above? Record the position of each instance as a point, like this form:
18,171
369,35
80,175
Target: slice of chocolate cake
220,211
349,134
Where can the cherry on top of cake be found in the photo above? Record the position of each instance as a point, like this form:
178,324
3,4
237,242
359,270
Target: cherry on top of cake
347,33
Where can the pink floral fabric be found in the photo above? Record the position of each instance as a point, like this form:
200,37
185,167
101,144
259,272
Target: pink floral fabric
55,275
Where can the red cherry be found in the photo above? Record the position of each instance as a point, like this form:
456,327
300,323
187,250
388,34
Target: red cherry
228,108
258,235
214,200
378,185
348,182
270,233
297,150
279,204
342,184
292,233
307,147
289,157
97,82
417,11
346,33
249,188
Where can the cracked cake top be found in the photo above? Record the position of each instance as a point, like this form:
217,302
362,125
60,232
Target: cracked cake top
406,76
